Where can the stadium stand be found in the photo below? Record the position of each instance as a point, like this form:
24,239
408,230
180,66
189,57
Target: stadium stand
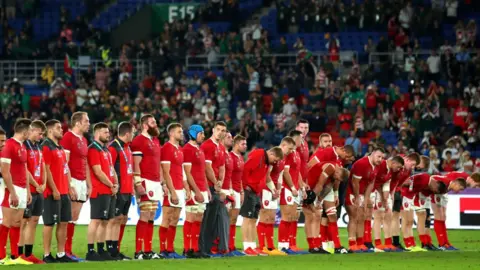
401,73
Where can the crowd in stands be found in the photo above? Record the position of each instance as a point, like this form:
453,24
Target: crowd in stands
436,112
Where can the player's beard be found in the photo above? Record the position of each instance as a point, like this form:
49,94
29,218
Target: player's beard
153,131
104,140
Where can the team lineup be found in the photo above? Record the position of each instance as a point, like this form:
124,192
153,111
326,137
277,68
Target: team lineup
50,174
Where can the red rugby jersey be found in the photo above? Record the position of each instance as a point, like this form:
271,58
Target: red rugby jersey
35,163
99,155
303,152
292,161
316,171
77,147
327,155
122,160
237,172
56,158
15,154
194,156
255,170
150,150
215,155
383,176
416,184
398,179
363,169
173,155
277,168
227,182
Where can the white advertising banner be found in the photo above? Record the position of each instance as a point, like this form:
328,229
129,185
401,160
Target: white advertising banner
463,212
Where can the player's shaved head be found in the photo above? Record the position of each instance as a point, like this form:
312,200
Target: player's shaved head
22,125
238,139
99,126
414,157
349,150
288,140
173,126
399,160
294,133
124,128
39,124
277,152
475,177
51,123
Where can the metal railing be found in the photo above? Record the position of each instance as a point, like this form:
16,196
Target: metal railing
218,61
31,70
398,57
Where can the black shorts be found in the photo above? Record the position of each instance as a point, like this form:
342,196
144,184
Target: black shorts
57,211
102,207
123,203
251,205
35,208
397,202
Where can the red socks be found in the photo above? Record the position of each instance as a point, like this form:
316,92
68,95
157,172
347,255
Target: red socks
163,232
368,231
333,231
172,232
445,234
293,233
120,237
140,235
231,241
438,227
187,235
261,234
283,231
360,241
3,240
388,241
70,233
311,242
148,237
196,226
409,241
14,239
324,233
269,235
351,243
378,242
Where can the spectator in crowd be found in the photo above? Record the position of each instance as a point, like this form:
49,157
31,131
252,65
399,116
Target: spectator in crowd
355,143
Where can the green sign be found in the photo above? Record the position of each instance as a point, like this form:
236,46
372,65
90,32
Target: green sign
169,12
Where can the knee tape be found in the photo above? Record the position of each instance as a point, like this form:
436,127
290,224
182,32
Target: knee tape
428,220
331,211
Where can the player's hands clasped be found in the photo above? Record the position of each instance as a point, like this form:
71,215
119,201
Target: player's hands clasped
199,197
56,195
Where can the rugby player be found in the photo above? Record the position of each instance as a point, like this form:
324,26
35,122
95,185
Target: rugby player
411,161
268,212
194,167
290,198
36,168
102,199
322,178
149,188
122,160
17,193
357,200
382,203
76,147
178,190
454,182
215,172
57,196
236,156
254,177
412,189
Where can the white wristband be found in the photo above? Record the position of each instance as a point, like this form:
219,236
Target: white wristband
335,193
271,186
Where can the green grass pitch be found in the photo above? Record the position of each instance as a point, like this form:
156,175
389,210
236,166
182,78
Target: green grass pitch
466,240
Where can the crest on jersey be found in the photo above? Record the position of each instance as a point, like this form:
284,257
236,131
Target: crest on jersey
197,154
266,202
150,145
80,145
